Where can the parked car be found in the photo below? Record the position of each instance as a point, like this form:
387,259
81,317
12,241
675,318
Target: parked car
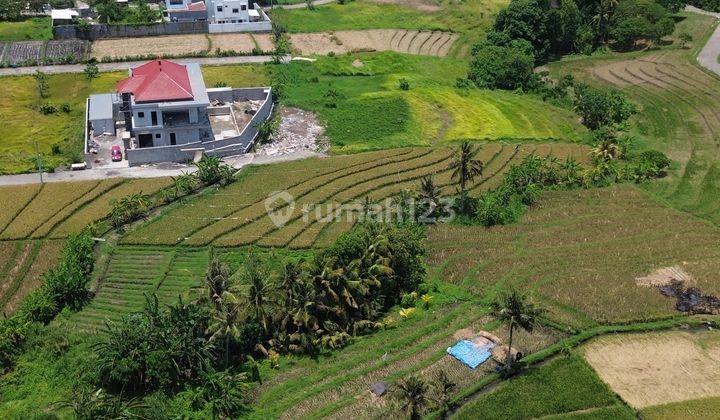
115,154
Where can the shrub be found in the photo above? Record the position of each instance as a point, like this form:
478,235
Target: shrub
91,70
48,109
65,107
495,67
404,84
600,107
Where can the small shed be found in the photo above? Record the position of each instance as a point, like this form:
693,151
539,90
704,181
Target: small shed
63,16
100,114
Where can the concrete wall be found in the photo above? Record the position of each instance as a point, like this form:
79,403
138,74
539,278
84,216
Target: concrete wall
100,31
264,26
225,147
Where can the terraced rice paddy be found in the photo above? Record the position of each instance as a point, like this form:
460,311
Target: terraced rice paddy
59,209
134,272
337,386
23,263
678,115
435,43
238,215
579,253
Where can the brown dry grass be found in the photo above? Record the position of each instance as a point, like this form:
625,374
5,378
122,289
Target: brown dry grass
581,251
156,45
231,42
422,5
264,41
658,368
339,42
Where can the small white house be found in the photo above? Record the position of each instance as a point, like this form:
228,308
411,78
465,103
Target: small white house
228,11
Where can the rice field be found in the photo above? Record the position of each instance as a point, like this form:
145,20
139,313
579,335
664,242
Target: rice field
630,365
566,385
59,209
133,272
337,385
434,43
678,103
23,263
237,215
579,253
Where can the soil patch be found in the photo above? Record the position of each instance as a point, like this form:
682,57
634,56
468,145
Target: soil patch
298,130
674,282
658,368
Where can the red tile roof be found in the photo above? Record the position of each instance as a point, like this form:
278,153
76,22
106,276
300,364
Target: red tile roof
157,81
198,6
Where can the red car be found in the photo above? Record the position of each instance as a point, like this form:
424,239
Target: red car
115,154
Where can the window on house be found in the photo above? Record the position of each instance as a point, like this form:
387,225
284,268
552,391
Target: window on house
219,8
243,7
236,11
141,115
157,135
173,141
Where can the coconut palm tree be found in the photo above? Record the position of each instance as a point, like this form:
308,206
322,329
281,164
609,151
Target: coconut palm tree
412,393
225,324
464,165
258,292
514,310
217,287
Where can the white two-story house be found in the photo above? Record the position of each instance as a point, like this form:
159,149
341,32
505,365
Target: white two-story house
228,11
165,104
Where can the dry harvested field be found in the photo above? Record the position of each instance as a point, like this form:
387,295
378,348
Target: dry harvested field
237,215
434,43
658,368
59,209
579,253
152,46
241,43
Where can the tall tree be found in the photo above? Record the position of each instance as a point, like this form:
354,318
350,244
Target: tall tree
464,165
515,311
258,291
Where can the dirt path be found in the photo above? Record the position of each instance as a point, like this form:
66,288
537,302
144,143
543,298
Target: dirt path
299,5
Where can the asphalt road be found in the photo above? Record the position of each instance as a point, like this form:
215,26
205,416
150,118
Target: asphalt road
708,56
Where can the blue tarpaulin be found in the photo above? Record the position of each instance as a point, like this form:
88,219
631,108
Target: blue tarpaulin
469,353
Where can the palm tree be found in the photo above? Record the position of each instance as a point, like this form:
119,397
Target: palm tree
464,165
412,394
225,324
217,285
516,312
258,291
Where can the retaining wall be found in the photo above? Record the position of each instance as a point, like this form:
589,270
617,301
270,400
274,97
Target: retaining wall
100,31
224,147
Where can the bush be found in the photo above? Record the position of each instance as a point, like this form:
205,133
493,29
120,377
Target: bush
91,70
601,107
48,109
403,84
495,67
155,349
65,107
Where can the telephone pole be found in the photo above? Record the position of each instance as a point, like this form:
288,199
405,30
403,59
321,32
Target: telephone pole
39,160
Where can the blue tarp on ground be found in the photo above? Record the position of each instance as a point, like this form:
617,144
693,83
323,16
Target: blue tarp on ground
470,354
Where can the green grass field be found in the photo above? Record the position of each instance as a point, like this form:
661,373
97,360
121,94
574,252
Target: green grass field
562,386
34,28
373,113
17,152
702,408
